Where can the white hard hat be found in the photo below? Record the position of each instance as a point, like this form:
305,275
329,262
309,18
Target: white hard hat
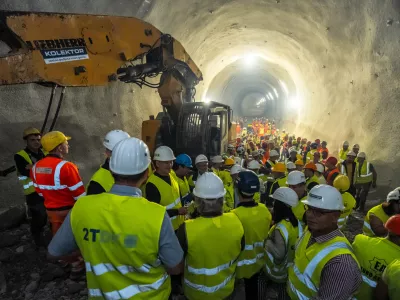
236,169
273,153
357,146
209,186
290,165
292,149
346,143
240,149
164,153
320,168
286,195
255,153
230,146
325,197
217,159
113,137
200,158
130,157
362,155
351,153
393,196
295,177
253,165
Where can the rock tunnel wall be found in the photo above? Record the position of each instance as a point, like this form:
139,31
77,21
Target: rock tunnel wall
343,57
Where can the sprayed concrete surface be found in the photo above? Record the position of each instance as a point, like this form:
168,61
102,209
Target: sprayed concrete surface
341,56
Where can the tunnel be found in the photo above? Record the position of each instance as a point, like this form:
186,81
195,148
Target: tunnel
323,69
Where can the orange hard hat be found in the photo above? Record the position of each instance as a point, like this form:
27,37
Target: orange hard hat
393,224
310,166
299,162
279,167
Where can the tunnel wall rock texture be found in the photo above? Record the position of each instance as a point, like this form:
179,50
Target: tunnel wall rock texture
341,55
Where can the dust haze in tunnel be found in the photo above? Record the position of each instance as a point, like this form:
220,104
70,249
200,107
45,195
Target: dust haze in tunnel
341,56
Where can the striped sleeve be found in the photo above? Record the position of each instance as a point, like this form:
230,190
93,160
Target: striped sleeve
340,279
71,178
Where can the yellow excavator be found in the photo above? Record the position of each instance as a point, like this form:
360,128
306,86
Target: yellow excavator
72,50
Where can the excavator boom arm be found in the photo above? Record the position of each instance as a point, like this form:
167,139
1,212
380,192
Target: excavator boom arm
89,50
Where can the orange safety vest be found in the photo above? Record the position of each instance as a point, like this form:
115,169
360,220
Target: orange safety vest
57,181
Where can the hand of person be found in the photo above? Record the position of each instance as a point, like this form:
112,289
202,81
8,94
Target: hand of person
374,185
182,210
28,167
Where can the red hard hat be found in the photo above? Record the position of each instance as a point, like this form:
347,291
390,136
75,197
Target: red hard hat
332,160
393,224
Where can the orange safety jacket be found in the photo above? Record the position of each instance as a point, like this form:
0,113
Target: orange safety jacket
58,182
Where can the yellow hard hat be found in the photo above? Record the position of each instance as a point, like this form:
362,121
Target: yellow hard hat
299,162
299,157
341,183
279,167
229,162
30,131
52,139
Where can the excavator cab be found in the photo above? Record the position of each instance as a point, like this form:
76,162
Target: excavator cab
203,128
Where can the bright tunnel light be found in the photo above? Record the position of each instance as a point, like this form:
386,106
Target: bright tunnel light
272,97
294,103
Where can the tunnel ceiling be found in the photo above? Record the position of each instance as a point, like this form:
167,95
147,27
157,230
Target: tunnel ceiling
340,60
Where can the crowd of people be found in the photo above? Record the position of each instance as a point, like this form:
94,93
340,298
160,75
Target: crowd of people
269,212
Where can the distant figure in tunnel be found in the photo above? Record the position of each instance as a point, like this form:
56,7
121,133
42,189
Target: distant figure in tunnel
343,152
366,177
24,161
348,168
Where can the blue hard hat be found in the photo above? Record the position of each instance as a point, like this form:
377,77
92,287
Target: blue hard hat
184,159
248,182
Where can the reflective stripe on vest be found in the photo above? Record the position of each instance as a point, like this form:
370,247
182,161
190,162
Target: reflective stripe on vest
173,204
246,262
26,181
368,173
378,212
368,281
364,174
305,277
342,221
209,272
103,268
209,289
129,291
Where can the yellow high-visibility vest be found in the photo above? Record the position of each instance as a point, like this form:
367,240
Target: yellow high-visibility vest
121,257
374,254
256,222
212,256
379,213
104,178
26,181
279,272
391,276
170,196
305,273
349,203
366,175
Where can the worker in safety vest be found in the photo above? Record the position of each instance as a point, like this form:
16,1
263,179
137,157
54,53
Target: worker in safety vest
282,238
24,160
309,156
331,170
375,254
256,220
374,221
181,169
127,242
217,163
296,180
102,180
342,184
311,178
254,166
279,174
325,266
231,197
224,171
323,148
320,173
273,159
356,149
201,163
366,177
57,179
316,158
349,168
299,165
162,187
343,152
292,155
291,167
215,236
60,184
388,286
